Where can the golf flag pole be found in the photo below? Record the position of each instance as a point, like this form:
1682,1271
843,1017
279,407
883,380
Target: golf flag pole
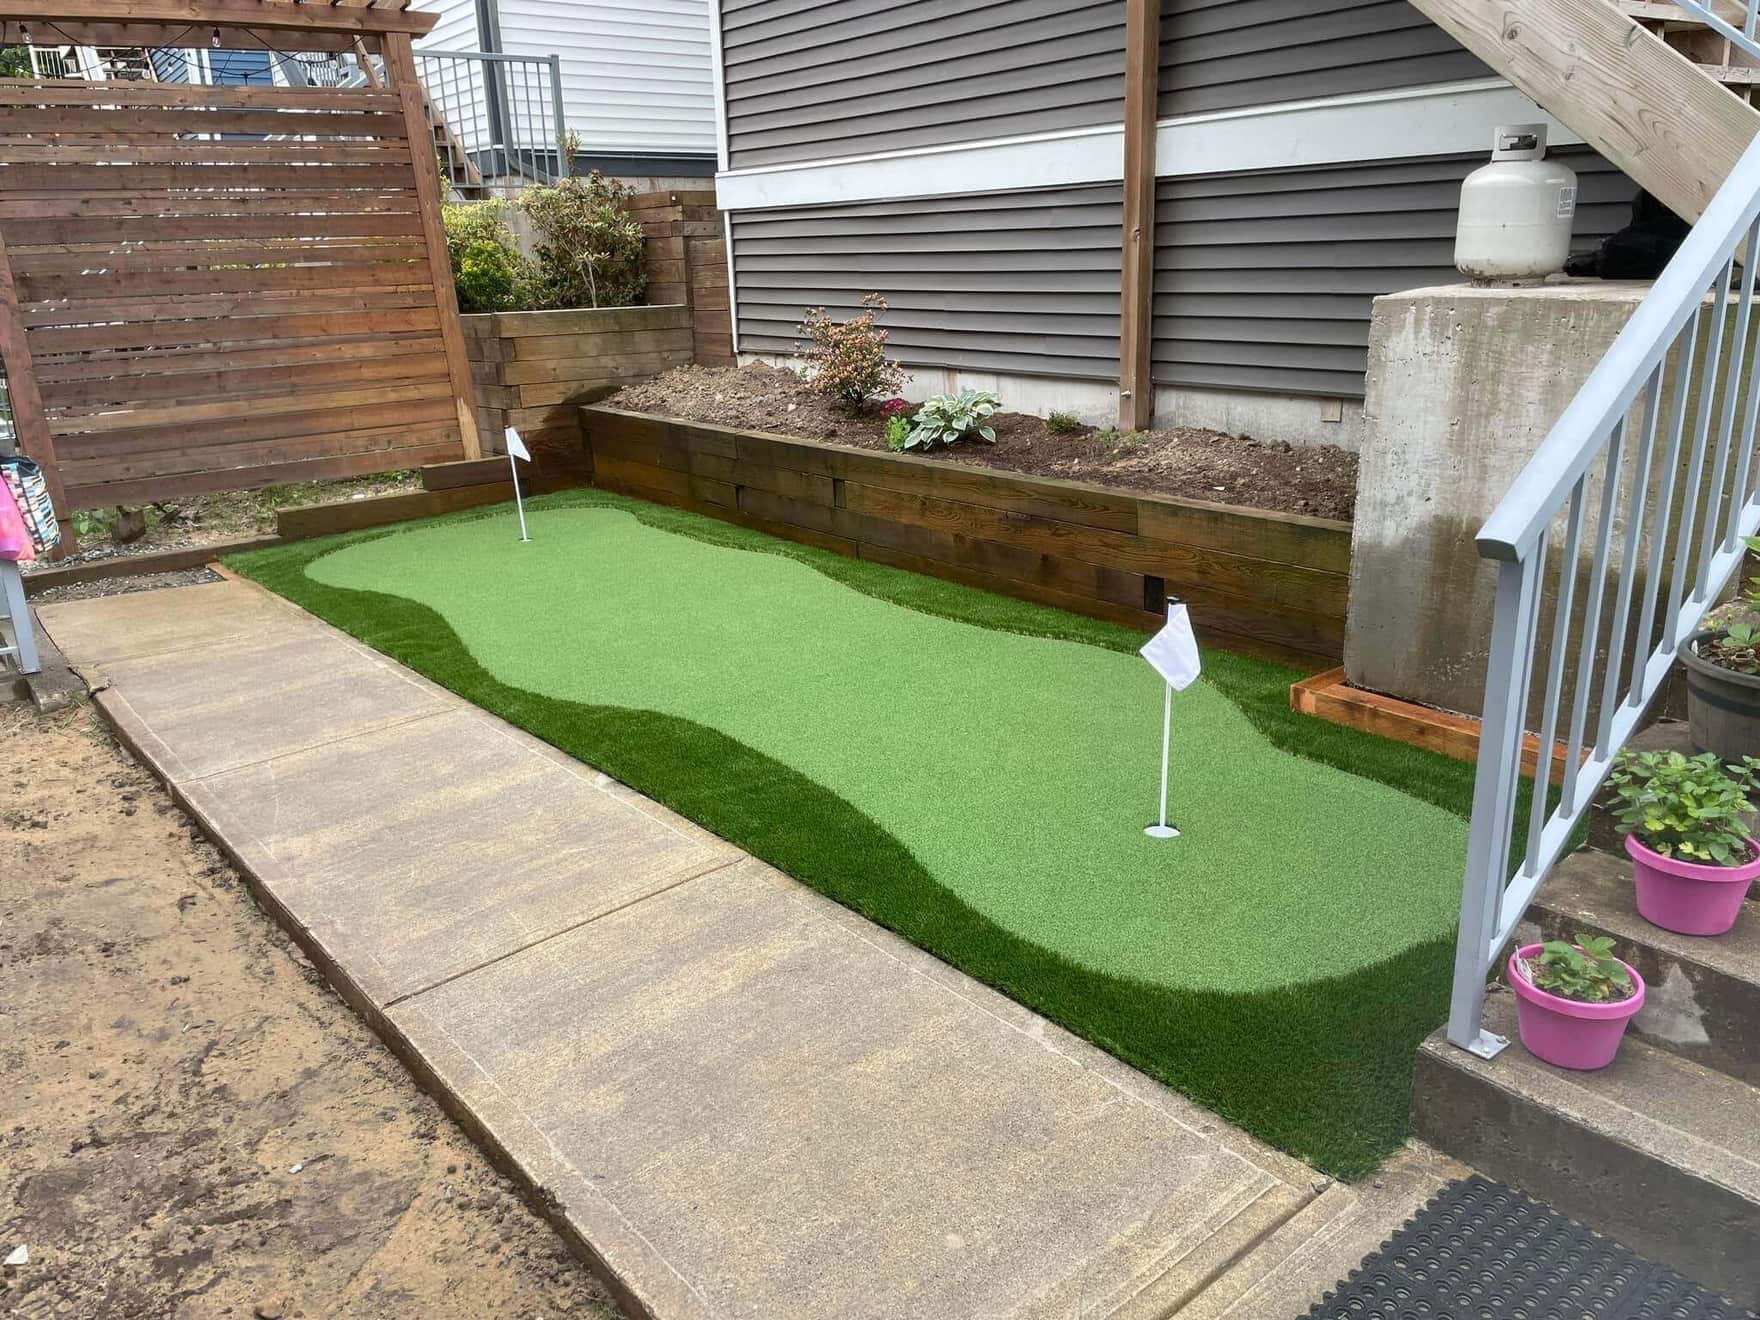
516,448
1172,653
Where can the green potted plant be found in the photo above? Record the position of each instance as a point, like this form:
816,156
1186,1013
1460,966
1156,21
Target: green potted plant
1687,831
1574,1001
1722,664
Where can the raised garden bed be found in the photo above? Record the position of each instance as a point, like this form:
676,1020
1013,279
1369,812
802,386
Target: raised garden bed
1264,582
1318,481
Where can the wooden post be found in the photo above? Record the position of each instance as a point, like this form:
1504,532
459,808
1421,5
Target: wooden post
29,422
400,69
1142,86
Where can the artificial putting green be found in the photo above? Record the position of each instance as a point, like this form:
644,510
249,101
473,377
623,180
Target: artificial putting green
975,773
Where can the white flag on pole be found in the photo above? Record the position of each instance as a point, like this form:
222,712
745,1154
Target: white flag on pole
517,447
1173,652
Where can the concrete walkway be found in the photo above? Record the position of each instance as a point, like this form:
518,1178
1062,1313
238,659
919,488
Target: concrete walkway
736,1097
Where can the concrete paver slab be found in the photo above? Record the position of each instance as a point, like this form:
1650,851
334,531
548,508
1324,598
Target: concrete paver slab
772,1114
209,710
420,851
107,628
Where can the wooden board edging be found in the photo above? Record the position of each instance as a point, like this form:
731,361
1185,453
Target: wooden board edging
1266,583
1329,697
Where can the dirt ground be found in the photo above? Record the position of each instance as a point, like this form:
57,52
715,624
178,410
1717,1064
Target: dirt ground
1190,462
193,1125
206,519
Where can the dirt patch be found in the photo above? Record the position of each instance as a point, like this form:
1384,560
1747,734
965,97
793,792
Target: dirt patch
195,1126
208,519
1189,462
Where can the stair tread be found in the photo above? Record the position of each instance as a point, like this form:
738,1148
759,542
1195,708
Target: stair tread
1596,888
1655,1102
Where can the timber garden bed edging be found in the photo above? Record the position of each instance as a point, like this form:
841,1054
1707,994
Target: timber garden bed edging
531,370
1269,584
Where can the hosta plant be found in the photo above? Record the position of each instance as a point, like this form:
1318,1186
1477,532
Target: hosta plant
846,360
1585,971
946,418
1691,808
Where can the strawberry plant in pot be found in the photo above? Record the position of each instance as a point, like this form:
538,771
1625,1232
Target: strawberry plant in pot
1687,831
1574,1001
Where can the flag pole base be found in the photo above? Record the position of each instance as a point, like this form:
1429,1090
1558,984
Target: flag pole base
1162,832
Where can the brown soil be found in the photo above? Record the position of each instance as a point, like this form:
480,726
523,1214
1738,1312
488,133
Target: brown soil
1319,480
206,519
194,1125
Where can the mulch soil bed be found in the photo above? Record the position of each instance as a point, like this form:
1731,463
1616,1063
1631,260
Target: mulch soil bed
1188,462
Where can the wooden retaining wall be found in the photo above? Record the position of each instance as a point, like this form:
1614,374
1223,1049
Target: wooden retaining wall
1266,583
687,263
533,369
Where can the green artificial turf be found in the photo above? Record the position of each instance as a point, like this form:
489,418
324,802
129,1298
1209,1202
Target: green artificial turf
975,773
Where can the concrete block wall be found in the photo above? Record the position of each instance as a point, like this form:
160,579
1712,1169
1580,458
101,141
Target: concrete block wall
532,370
687,264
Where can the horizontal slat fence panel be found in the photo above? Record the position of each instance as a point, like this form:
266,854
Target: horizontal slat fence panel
1266,583
223,287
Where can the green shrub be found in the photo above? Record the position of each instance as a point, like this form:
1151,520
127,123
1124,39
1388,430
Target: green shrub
1062,423
1585,971
846,360
488,270
1687,807
589,248
946,418
898,430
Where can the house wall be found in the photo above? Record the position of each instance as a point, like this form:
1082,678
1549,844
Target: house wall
636,74
1310,160
1016,282
888,74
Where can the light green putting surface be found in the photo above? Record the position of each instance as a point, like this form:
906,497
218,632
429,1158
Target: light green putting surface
1018,770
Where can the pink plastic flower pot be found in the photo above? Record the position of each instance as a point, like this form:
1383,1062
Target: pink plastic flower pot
1564,1032
1687,897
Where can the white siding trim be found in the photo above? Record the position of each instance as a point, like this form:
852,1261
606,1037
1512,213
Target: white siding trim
732,292
1413,121
717,71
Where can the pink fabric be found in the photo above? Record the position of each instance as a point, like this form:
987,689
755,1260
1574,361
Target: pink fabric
15,537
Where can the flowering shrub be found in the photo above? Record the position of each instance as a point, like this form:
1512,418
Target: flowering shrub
898,407
846,360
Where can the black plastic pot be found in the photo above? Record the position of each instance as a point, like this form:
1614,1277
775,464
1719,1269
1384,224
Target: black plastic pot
1723,707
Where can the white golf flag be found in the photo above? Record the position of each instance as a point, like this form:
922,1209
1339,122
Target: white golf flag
1174,651
517,447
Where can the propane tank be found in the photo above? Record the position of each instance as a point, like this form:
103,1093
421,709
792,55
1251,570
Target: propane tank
1516,212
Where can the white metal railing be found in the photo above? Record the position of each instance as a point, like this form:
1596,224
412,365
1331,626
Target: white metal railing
1618,536
498,118
1740,32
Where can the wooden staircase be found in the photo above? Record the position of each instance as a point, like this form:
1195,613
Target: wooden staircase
1646,84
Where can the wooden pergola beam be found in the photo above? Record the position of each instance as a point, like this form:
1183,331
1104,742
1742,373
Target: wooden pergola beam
277,40
269,15
1142,87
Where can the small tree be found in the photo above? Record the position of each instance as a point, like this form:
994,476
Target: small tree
846,360
589,248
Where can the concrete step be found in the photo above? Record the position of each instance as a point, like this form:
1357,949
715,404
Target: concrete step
1655,1150
1703,997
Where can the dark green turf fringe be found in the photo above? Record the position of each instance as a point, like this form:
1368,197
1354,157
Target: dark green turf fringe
1322,1070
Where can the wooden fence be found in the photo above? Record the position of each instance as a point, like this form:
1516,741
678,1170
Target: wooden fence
216,287
1266,583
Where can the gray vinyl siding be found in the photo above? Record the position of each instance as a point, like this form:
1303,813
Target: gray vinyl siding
807,81
1021,282
1263,281
1225,54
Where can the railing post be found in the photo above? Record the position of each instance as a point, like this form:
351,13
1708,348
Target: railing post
1494,797
564,166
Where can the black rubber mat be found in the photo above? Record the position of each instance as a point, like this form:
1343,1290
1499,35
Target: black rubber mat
1483,1251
